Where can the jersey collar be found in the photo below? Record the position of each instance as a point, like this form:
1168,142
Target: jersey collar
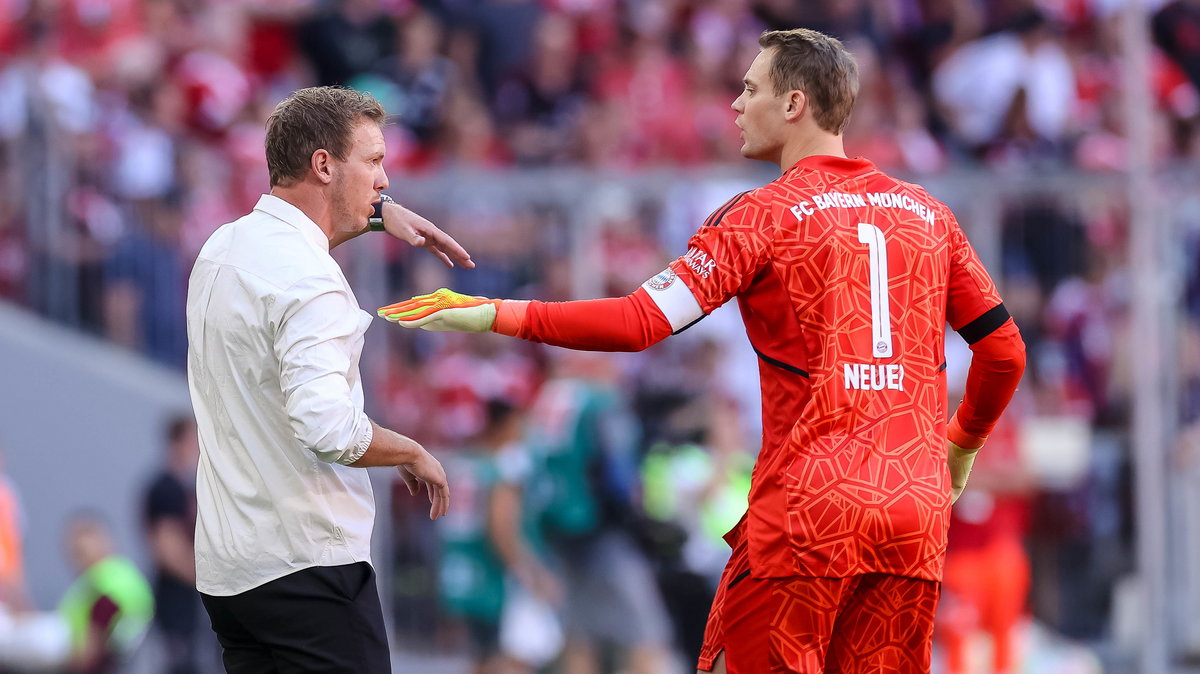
837,165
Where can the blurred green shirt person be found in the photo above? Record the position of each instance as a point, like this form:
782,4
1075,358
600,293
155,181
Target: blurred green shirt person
109,606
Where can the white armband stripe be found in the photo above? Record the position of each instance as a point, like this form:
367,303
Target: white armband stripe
674,299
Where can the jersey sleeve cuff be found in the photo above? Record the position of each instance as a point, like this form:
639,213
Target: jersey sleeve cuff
510,317
956,434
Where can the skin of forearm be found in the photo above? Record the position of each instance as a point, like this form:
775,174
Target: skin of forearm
388,448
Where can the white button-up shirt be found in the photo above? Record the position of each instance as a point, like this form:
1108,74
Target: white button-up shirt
274,339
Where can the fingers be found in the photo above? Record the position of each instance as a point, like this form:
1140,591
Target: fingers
443,257
418,300
410,480
421,233
428,472
444,246
439,499
412,310
410,313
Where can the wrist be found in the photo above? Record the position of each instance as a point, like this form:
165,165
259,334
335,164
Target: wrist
410,451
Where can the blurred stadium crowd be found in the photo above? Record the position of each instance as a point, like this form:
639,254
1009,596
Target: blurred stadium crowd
130,129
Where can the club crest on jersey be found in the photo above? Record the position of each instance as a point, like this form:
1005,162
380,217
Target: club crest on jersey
662,280
700,262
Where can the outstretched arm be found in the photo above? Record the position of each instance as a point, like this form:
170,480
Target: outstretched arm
629,323
722,259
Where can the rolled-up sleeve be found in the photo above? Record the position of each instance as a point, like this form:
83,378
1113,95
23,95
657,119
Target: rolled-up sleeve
318,338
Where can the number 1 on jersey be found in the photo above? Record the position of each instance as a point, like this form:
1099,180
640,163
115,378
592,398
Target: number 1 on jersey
881,311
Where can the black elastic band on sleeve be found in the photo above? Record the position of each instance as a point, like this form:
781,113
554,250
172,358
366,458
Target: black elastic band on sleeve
984,325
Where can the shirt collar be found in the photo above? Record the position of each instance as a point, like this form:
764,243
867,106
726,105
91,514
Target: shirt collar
278,208
830,164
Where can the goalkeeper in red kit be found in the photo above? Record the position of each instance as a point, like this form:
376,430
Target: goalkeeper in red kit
845,278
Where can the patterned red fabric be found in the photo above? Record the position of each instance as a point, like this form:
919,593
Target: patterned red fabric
870,623
997,362
851,478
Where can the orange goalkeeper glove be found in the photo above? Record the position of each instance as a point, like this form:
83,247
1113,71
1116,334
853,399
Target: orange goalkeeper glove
444,310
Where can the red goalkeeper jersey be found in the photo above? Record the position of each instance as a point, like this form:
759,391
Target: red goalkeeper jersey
845,278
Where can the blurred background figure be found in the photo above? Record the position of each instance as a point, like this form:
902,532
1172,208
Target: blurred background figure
988,528
109,607
987,540
587,441
13,596
490,556
100,621
169,507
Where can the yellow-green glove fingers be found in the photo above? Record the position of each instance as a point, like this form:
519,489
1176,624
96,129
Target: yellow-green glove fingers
443,310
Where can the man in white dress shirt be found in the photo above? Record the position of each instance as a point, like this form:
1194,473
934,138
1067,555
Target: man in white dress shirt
284,509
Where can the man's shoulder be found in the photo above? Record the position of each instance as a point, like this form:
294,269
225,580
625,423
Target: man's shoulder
266,248
919,191
883,182
751,208
764,195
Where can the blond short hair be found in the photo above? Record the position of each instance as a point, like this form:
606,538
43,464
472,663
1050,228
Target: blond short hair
818,65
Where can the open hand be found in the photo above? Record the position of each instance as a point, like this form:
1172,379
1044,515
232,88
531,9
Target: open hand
443,310
427,472
421,233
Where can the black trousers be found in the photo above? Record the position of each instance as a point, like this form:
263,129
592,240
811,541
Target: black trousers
322,619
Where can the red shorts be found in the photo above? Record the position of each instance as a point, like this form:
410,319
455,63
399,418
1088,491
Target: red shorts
869,623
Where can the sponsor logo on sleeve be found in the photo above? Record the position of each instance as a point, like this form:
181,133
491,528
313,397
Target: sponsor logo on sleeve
662,280
700,262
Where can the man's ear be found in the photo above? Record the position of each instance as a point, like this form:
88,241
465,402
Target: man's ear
796,105
321,164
